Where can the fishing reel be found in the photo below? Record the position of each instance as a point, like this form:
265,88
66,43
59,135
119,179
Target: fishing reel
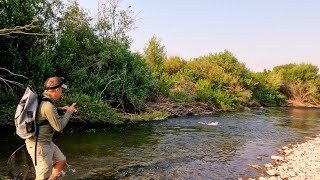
75,112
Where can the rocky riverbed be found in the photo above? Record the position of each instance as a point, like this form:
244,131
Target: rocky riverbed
300,161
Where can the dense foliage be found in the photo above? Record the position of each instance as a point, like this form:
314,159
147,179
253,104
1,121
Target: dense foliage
43,38
105,77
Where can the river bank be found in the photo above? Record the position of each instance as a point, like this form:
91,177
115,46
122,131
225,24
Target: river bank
296,103
164,110
299,161
155,111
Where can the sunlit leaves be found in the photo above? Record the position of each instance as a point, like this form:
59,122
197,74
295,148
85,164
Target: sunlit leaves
154,54
218,79
300,81
114,23
173,65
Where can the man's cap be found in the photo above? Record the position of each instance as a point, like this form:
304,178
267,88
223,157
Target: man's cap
55,82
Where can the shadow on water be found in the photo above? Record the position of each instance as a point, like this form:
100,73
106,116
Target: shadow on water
300,118
219,146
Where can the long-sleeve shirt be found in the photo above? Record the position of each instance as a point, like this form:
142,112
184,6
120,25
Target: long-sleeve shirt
48,111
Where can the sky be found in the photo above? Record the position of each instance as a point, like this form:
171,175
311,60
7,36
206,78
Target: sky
260,34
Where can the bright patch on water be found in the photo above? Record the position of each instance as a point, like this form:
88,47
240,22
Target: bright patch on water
209,123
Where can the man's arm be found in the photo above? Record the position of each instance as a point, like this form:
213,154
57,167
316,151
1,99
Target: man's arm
57,122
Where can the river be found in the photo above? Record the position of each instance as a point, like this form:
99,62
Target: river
219,146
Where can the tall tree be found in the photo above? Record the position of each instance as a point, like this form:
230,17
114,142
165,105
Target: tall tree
113,22
154,55
301,81
26,51
173,65
77,39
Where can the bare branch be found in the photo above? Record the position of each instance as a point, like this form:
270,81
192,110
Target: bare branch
6,81
107,86
13,73
19,30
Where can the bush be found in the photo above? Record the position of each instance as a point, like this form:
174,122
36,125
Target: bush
223,99
180,97
90,109
269,97
204,92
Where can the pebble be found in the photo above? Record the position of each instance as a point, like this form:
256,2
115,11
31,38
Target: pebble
302,161
277,158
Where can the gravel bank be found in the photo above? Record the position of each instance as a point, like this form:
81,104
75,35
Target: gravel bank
300,161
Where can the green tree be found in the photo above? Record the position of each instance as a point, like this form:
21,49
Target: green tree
102,65
114,23
78,46
27,37
232,66
27,51
267,91
154,54
300,81
131,77
172,65
292,72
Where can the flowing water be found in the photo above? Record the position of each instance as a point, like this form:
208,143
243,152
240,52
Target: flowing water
218,146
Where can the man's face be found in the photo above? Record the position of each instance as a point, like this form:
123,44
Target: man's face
59,92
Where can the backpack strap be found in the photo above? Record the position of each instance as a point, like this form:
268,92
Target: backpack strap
49,100
45,122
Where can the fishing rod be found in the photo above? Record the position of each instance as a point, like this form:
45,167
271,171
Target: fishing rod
75,100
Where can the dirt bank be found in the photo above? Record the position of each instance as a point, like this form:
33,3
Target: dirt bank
296,103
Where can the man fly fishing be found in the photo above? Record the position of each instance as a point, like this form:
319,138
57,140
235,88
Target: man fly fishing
47,158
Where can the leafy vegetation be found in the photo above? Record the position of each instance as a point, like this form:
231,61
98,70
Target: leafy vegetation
43,38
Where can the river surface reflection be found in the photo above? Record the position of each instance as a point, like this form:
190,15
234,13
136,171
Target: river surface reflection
180,148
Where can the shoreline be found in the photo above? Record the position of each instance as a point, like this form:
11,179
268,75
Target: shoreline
295,103
163,111
298,161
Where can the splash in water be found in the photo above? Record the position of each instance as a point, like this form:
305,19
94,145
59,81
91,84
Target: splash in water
210,123
70,169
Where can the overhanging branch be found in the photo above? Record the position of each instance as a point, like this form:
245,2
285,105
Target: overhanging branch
21,29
